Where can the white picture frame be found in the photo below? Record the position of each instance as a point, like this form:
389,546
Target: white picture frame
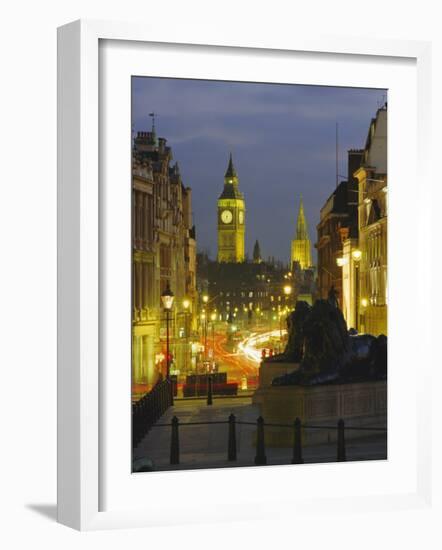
80,289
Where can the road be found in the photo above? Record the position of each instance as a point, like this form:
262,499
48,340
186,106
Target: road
244,363
237,365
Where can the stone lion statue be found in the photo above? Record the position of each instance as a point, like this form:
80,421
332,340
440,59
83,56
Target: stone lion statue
319,340
294,349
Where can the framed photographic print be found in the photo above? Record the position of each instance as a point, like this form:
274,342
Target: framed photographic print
230,276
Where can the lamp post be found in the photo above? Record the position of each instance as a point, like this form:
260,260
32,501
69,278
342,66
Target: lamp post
213,319
205,338
356,255
167,298
186,306
204,318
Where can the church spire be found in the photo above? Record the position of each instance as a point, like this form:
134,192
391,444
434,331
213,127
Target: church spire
230,172
301,246
301,225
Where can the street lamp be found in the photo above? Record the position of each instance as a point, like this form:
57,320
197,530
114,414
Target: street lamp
167,298
204,333
186,305
213,319
357,255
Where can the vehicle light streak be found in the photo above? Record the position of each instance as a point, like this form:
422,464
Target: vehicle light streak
249,346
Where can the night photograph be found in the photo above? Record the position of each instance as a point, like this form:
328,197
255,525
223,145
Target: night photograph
259,274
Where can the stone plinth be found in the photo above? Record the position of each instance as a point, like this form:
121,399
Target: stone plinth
361,404
269,370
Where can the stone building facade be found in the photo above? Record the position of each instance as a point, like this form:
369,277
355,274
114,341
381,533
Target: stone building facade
163,253
357,256
338,223
333,218
373,228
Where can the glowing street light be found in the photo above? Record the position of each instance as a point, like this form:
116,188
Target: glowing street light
287,290
356,255
167,298
205,298
364,302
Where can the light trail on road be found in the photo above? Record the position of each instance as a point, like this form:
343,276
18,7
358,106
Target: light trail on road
252,346
243,363
236,364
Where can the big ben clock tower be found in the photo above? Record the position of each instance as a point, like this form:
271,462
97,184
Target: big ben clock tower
231,219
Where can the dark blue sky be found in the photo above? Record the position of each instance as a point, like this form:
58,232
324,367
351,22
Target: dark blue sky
283,142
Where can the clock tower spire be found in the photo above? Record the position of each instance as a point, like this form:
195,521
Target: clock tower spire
231,218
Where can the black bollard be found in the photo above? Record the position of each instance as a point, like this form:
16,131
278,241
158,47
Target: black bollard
297,443
260,458
341,441
175,443
209,390
231,446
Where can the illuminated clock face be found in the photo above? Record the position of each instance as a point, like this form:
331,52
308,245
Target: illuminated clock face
226,216
241,217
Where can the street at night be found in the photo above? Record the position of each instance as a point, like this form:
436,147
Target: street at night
259,326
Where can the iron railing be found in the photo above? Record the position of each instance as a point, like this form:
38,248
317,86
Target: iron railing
150,408
260,450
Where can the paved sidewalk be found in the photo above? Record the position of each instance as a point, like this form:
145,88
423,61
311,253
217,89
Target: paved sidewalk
206,446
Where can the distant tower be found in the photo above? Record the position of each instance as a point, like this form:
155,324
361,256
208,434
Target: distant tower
231,219
301,246
257,253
